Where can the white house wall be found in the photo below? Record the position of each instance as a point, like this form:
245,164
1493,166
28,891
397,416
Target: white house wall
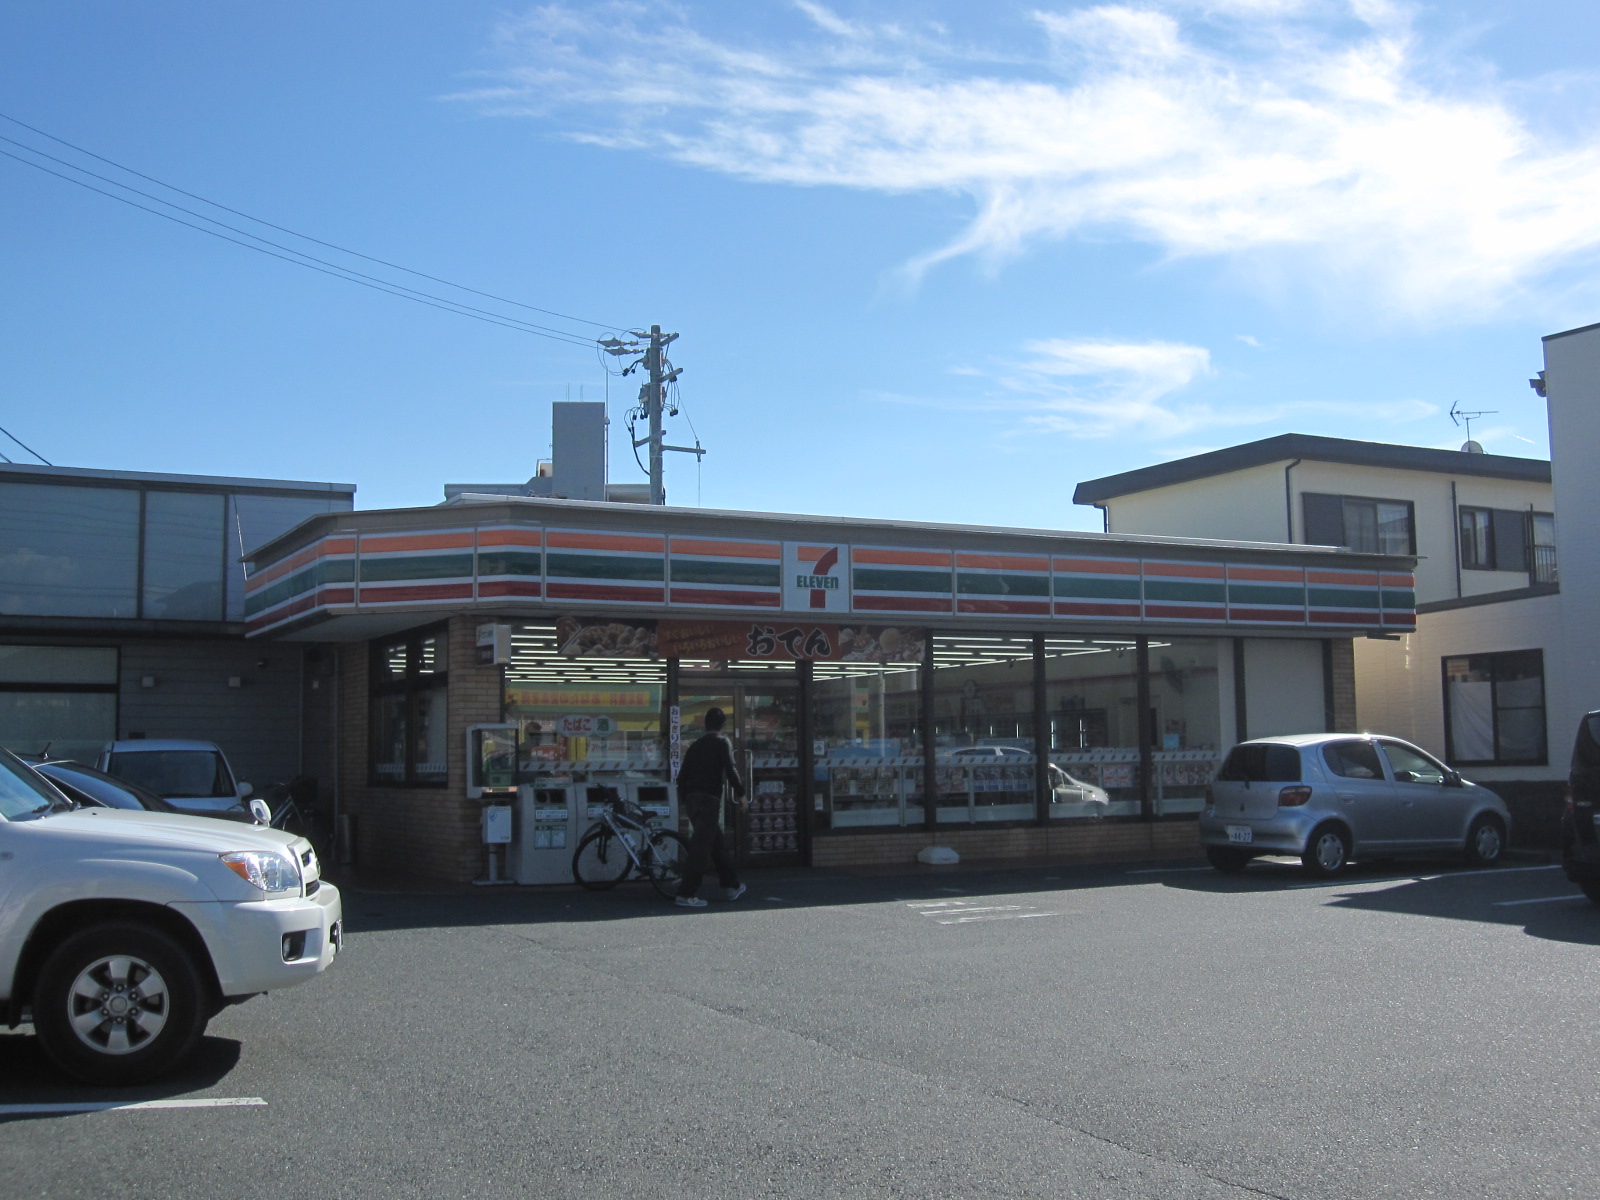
1245,505
1572,385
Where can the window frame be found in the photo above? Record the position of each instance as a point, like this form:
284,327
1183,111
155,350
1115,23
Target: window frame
1312,500
416,687
1495,660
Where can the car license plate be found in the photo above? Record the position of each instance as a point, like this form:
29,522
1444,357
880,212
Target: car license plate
1240,833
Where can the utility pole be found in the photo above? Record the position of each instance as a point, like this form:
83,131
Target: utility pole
652,399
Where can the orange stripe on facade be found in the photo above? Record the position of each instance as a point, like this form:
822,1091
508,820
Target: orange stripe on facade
902,558
713,549
1097,566
571,540
457,539
1343,578
1184,570
510,537
1266,574
1403,581
1003,562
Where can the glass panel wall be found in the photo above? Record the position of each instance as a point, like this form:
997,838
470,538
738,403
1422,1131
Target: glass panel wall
1186,721
983,727
866,733
1091,706
68,551
63,698
183,549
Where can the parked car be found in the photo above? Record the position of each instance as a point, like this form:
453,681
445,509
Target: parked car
88,787
123,933
1330,798
191,775
1580,847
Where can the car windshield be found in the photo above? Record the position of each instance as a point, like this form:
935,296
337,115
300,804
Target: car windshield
24,794
174,774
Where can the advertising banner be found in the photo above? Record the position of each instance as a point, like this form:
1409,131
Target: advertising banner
757,640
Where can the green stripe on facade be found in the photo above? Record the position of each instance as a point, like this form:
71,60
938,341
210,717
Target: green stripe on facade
1186,592
1082,588
597,566
1266,593
1406,600
877,579
510,562
1002,585
394,568
726,574
307,579
1344,598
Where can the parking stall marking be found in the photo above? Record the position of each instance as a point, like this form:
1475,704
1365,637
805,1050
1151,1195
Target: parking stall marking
89,1106
965,912
1538,900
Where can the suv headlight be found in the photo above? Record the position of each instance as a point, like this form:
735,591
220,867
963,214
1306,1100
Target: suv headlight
263,869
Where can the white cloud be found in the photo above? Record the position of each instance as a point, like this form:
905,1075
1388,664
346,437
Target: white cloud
1262,131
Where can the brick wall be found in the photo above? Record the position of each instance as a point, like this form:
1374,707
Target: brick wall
426,831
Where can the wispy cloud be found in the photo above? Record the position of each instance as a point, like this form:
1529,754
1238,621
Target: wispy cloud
1310,140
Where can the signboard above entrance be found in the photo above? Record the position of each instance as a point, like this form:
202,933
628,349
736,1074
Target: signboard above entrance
760,640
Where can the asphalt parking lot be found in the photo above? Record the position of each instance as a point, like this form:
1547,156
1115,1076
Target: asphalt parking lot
1149,1030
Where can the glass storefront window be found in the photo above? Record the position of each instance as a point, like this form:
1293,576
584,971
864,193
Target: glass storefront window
983,727
60,697
183,549
866,733
68,551
1186,705
1091,707
409,735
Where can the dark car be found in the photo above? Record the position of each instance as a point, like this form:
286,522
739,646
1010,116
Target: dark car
1580,848
96,789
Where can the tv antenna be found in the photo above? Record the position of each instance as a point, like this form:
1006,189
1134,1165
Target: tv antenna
1466,418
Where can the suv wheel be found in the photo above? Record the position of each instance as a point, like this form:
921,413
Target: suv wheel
1327,852
1486,841
119,1003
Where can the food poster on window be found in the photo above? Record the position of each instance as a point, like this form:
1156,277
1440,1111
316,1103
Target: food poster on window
566,727
728,641
769,824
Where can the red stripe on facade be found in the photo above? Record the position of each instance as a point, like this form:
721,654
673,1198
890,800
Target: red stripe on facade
1337,617
716,549
595,591
372,593
488,539
1280,616
510,587
1002,562
606,541
900,603
900,558
690,595
1344,578
1178,612
1184,570
1032,608
1096,566
1403,581
1266,574
1087,608
374,543
1408,619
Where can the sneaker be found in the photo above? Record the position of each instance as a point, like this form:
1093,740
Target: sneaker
690,902
734,893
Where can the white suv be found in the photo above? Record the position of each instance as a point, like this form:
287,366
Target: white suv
122,933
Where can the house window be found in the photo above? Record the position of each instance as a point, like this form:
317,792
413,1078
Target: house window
1360,523
1494,709
1498,539
1543,566
407,733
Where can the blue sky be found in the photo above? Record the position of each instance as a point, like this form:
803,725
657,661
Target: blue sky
932,261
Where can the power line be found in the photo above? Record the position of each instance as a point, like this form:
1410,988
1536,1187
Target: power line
305,260
26,447
281,228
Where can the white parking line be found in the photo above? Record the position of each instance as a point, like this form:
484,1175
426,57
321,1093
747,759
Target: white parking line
952,919
1165,870
1537,900
1393,879
87,1106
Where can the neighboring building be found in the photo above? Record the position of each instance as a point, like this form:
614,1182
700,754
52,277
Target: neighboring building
552,648
1469,683
577,468
122,615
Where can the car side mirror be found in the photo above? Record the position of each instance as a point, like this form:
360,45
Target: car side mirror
259,812
1452,779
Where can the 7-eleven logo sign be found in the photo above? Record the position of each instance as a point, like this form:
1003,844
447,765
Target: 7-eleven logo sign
816,577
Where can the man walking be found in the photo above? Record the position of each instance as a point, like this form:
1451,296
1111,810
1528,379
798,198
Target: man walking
705,765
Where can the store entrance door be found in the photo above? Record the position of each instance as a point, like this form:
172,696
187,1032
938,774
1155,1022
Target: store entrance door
763,723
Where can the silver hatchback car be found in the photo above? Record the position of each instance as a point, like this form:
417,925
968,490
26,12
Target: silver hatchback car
1332,797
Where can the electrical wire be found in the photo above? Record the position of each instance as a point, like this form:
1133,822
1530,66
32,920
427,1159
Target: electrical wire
26,447
284,229
298,258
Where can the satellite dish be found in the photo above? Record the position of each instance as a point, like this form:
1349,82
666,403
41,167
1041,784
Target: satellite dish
1470,447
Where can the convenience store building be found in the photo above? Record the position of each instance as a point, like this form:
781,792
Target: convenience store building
493,647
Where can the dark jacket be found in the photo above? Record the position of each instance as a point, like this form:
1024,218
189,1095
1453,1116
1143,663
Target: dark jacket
706,764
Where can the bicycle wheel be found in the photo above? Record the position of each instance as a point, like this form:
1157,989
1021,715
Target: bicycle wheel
600,861
664,864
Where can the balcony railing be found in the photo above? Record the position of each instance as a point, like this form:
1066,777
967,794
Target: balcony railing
1543,564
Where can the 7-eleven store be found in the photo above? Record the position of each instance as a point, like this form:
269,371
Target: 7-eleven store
528,651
